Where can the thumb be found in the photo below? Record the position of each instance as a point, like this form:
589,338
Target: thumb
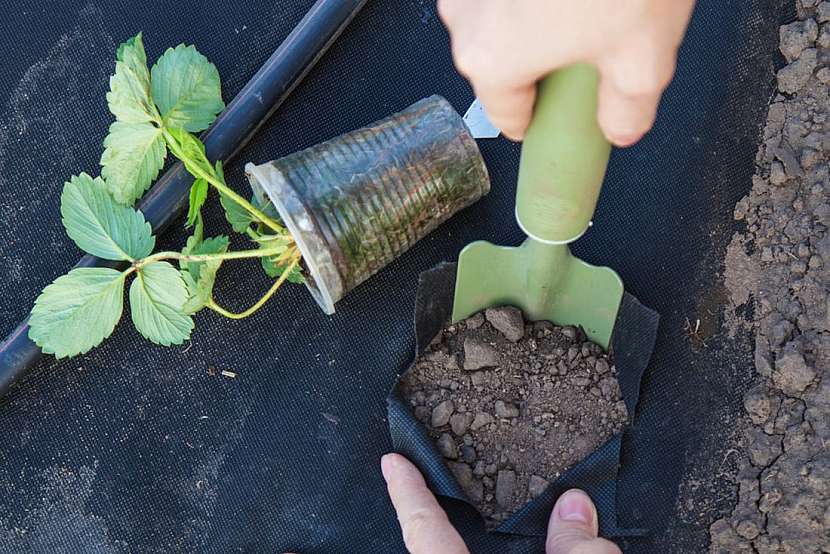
574,527
425,527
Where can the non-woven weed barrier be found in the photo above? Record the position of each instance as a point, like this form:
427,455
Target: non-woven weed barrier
469,409
265,433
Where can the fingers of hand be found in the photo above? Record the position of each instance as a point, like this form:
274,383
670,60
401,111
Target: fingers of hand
426,529
503,78
630,89
510,109
574,526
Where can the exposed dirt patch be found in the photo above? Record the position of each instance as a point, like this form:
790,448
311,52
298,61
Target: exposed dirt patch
780,268
512,405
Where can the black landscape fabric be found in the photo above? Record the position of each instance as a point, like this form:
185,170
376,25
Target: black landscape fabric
632,344
138,448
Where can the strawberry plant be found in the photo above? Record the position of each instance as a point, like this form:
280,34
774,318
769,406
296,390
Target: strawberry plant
156,112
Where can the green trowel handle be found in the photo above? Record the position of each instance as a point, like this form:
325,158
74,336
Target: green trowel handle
564,157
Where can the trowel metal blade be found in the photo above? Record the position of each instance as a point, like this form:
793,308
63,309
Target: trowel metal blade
476,120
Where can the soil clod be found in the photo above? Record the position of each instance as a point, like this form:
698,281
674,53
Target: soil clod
508,321
776,268
528,402
479,355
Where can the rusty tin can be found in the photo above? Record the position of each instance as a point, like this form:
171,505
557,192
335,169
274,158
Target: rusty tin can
355,203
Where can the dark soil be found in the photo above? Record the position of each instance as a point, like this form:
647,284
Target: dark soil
512,406
780,268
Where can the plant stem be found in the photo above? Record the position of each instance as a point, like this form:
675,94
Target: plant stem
238,255
211,178
261,302
250,208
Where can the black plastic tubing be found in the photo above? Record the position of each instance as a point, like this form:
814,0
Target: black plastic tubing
234,127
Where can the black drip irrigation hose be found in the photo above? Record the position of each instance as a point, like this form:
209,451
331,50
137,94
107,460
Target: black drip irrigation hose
234,127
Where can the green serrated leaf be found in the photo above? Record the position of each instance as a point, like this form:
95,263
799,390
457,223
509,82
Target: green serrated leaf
199,277
239,218
77,311
101,226
198,195
133,156
213,245
186,89
198,295
129,96
189,150
157,298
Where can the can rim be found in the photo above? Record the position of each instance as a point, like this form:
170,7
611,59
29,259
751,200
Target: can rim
267,181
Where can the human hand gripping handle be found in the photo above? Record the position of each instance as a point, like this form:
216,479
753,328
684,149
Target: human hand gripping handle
505,48
573,526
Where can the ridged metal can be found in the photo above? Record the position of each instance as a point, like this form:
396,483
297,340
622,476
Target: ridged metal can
355,203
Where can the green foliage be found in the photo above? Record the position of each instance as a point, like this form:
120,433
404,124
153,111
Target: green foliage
189,150
198,195
133,156
156,111
101,226
266,207
186,89
129,96
182,93
273,264
157,298
199,277
239,218
77,311
214,245
275,269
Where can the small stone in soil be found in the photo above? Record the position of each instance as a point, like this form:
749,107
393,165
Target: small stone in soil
794,76
468,454
479,355
422,414
475,491
463,474
792,374
459,423
506,410
536,486
478,378
508,321
442,412
481,420
446,446
505,486
757,404
475,321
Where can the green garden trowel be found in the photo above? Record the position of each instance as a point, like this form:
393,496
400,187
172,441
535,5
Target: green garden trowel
563,162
